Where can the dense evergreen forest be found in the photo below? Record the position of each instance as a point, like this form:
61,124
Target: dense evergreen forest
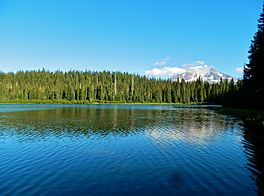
108,87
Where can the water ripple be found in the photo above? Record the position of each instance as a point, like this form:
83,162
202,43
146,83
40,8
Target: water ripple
120,150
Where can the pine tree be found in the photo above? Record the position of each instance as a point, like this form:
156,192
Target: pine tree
254,70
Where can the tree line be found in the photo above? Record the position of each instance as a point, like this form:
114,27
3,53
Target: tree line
109,86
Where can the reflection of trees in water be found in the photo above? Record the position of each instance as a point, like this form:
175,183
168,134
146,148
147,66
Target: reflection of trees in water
254,149
191,124
72,121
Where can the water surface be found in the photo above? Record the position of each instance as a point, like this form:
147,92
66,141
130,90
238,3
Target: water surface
127,150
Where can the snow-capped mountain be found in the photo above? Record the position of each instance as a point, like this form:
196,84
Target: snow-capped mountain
206,73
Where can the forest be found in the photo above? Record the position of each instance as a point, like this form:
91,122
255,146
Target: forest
109,87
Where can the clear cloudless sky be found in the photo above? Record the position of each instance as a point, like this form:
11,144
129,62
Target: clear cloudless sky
125,35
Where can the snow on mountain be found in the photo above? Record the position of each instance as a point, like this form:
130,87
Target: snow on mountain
206,73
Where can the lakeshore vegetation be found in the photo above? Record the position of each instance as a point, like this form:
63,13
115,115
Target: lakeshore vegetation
77,86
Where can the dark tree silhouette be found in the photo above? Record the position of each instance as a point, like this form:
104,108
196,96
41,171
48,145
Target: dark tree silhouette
252,93
254,70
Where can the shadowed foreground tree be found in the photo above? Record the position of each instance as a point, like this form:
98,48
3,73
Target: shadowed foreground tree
254,70
251,95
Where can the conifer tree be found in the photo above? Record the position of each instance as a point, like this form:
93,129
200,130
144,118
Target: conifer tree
254,70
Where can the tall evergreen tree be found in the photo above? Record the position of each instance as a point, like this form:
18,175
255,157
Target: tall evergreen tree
254,70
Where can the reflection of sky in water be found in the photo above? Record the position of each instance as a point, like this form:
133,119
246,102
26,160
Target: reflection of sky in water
29,107
121,149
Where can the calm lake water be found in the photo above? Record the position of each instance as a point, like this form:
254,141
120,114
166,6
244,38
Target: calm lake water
127,150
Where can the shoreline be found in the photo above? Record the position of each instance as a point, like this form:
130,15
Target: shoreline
67,102
250,116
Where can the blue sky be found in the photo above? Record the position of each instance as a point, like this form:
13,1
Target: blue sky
131,35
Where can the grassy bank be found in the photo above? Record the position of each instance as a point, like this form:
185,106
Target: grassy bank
63,101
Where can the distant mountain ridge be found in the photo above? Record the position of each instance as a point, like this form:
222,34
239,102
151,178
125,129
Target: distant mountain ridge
206,73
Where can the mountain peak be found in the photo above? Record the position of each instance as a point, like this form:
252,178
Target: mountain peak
205,72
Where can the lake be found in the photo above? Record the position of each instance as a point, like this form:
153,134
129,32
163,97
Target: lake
127,150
